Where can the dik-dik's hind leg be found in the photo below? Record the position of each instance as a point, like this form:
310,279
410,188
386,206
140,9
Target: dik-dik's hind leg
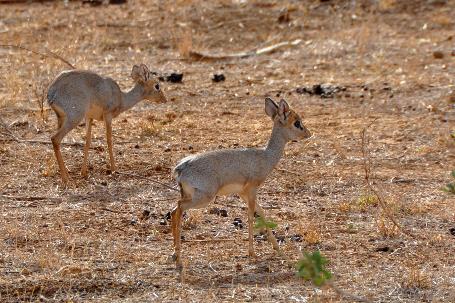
176,223
108,122
65,126
88,139
198,200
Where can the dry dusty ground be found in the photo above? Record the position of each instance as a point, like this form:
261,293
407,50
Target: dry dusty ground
94,241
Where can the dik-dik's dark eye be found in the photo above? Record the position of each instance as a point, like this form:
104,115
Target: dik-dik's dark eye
297,124
157,86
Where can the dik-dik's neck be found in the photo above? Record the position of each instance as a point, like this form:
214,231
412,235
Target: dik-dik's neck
276,145
132,97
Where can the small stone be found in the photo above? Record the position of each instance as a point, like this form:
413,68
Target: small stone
167,216
438,54
117,2
136,146
383,249
218,78
238,223
284,16
145,214
296,238
280,239
452,231
175,77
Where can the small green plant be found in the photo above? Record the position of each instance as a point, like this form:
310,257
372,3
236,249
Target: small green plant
311,267
450,187
262,223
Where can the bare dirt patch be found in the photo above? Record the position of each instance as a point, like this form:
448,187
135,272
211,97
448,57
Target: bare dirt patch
106,238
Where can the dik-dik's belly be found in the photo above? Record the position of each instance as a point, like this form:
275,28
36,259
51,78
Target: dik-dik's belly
95,112
228,189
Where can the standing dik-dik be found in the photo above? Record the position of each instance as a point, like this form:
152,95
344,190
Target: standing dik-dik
77,94
235,171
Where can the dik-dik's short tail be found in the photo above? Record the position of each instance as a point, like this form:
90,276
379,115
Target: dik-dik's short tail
181,166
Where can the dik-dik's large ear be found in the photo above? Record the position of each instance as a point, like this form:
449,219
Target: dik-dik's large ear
140,73
271,109
283,110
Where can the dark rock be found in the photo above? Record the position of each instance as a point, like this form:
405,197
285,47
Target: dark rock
175,78
238,223
322,90
452,231
280,239
137,146
117,2
93,2
218,78
218,211
383,249
438,55
296,238
167,216
284,16
145,214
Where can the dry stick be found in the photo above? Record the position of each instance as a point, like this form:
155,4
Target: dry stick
52,54
148,179
367,169
29,198
254,52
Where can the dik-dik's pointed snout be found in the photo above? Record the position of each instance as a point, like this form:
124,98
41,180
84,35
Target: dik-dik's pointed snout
306,133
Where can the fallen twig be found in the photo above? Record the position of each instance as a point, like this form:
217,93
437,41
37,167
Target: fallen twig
52,54
29,198
255,52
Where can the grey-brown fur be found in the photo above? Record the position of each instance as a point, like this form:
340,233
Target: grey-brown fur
78,94
204,176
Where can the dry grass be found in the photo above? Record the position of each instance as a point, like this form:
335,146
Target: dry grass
104,239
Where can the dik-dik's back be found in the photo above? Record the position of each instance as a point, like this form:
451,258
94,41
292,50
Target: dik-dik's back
74,91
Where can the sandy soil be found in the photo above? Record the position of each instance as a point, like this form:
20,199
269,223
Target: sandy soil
106,239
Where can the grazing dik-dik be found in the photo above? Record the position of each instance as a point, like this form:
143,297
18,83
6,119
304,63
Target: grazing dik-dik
203,176
77,94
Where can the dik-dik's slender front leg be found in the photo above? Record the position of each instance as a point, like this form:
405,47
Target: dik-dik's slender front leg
270,236
88,140
249,196
108,122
